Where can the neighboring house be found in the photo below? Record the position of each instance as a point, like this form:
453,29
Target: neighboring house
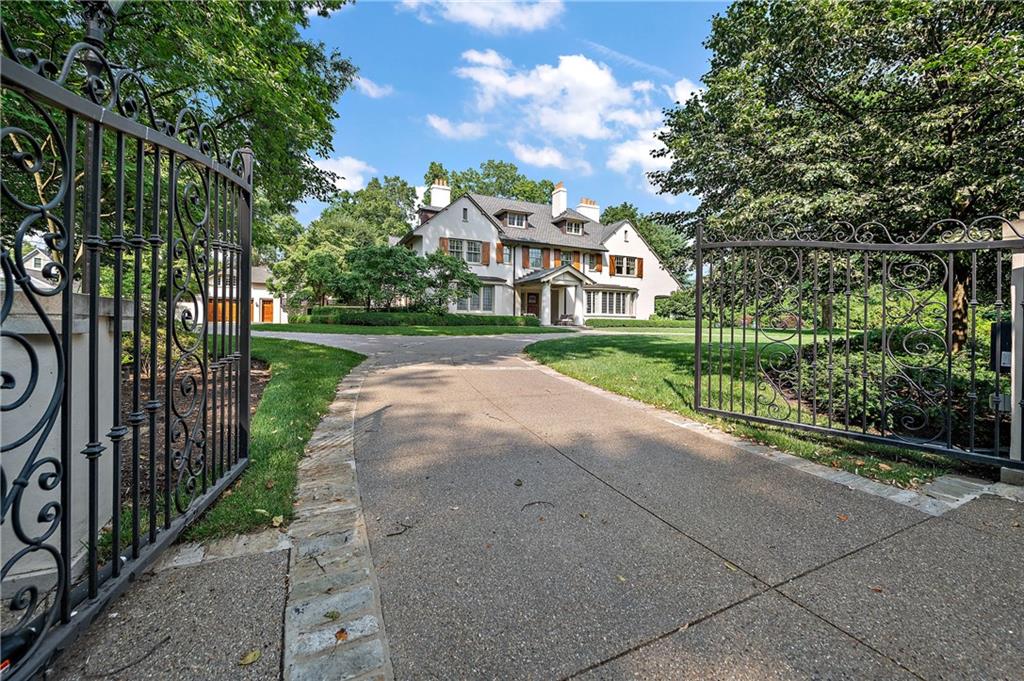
34,262
543,259
264,306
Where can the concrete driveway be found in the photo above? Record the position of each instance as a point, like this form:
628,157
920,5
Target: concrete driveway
524,527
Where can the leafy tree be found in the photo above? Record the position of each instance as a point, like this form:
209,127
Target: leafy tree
271,232
243,65
667,244
308,275
494,178
681,304
447,279
389,205
905,112
381,276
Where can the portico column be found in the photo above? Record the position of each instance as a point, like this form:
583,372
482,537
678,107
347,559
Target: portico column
545,304
578,308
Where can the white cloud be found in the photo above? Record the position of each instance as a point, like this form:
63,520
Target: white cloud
567,100
682,90
615,55
635,154
547,157
351,171
496,16
467,130
486,58
636,118
371,89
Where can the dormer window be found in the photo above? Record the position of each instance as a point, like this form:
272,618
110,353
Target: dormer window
515,220
573,227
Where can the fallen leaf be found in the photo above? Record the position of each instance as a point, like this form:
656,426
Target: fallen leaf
884,467
453,508
621,578
843,517
584,515
341,635
262,511
859,462
876,589
518,483
1015,523
250,657
731,566
332,615
269,484
277,520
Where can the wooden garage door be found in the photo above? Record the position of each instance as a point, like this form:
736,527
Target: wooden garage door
226,310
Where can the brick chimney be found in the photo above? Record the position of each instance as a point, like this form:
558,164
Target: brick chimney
559,200
440,193
589,208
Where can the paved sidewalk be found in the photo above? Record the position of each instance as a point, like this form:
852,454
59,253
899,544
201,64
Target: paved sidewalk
523,527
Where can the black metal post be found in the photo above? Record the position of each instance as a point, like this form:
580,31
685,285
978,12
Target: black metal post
245,241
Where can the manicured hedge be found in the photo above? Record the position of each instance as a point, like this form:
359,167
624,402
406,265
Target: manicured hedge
641,323
335,316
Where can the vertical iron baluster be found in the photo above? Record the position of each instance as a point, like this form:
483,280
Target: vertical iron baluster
799,333
66,330
153,404
137,418
233,330
204,293
815,301
172,247
232,310
743,334
758,273
94,448
698,337
216,306
722,286
948,421
732,334
245,283
998,421
831,324
864,365
711,279
884,345
847,373
972,397
118,430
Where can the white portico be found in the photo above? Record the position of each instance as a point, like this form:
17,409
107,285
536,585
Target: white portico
554,294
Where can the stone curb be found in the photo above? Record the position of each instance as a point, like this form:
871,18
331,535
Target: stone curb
333,626
919,500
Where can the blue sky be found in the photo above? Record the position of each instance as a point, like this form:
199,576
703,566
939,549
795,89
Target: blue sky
568,91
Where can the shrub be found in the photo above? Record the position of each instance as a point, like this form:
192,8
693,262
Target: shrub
654,322
330,315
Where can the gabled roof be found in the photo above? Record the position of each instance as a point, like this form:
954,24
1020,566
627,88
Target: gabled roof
540,227
551,273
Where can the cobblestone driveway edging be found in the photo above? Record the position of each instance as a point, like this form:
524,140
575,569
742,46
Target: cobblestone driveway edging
333,626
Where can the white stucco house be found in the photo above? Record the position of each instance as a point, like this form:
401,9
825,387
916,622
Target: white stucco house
264,306
545,259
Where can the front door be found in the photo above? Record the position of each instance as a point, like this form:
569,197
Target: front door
533,304
267,311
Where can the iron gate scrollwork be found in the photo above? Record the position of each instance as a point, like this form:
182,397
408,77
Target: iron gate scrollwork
849,330
125,329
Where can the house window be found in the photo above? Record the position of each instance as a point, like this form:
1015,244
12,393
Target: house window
605,301
625,266
612,302
455,248
465,215
478,302
535,258
592,260
574,227
464,249
37,263
515,219
625,235
591,295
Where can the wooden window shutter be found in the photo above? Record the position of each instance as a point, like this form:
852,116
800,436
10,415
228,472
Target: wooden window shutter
611,265
576,259
600,260
526,256
485,253
557,259
640,267
545,254
499,252
443,244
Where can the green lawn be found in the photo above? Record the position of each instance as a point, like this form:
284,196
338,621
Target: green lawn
658,369
409,330
303,381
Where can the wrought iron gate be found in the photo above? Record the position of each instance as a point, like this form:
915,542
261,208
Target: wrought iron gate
125,407
851,331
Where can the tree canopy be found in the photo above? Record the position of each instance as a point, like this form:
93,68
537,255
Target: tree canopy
389,205
494,178
905,112
243,65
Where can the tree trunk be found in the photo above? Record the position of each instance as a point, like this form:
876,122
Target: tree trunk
960,304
